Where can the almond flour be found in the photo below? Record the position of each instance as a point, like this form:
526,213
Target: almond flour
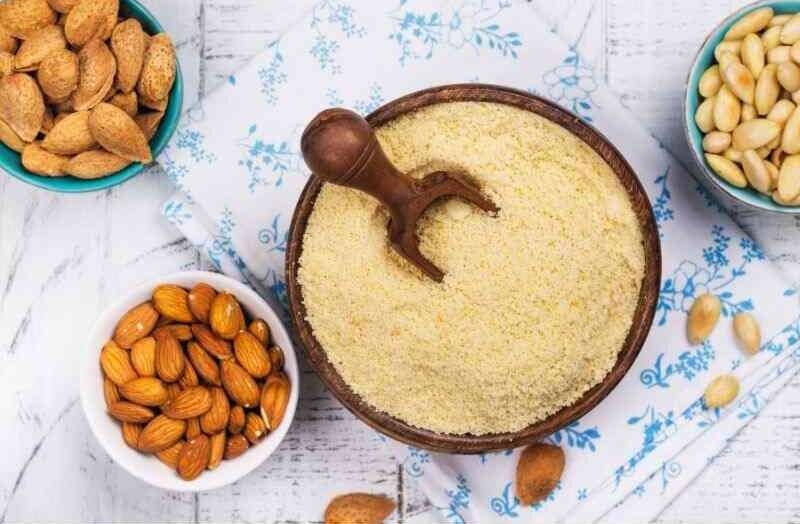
535,304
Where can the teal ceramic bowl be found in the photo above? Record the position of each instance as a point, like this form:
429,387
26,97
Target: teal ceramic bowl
703,60
10,160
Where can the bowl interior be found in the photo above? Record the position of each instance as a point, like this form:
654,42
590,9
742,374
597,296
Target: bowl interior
704,60
147,467
10,160
643,316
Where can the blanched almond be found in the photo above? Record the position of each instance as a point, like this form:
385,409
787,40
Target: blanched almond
790,32
778,200
71,135
704,116
752,22
790,142
747,331
21,105
748,113
703,316
740,81
771,38
789,178
773,174
733,47
709,82
727,58
97,70
20,18
779,54
721,391
727,109
779,20
781,111
753,55
789,76
756,172
767,89
42,162
119,134
95,164
733,155
754,133
727,170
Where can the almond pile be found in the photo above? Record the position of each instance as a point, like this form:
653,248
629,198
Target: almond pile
82,91
191,380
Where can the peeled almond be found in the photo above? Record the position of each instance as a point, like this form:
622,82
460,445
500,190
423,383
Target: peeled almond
129,43
767,89
771,38
733,47
20,18
716,142
704,116
158,70
10,138
727,58
58,74
71,135
721,391
781,111
740,81
703,316
118,133
789,178
36,48
790,32
89,19
21,105
756,172
95,164
790,142
727,170
37,160
779,54
778,200
747,331
779,20
97,70
727,109
753,54
754,133
789,76
776,157
748,112
733,155
773,174
752,22
710,82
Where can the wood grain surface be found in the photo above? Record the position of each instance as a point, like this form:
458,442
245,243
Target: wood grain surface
63,258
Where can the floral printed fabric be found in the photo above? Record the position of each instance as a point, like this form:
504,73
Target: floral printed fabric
236,163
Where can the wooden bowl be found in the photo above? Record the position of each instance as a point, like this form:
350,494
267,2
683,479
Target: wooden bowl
642,318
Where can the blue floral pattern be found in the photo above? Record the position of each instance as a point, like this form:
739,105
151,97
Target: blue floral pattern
572,84
273,237
575,437
688,365
187,140
656,428
331,21
272,75
222,243
266,162
661,210
414,463
458,501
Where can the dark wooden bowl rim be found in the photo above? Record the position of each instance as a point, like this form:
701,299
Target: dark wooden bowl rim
642,318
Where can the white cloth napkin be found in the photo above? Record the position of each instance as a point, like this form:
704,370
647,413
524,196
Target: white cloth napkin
236,163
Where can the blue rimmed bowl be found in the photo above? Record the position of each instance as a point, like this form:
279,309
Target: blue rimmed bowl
703,60
10,160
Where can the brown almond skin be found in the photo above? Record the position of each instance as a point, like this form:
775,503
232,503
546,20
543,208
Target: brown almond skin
173,390
95,164
172,301
236,420
189,378
182,332
251,354
260,329
116,364
38,46
170,361
275,399
218,441
194,457
538,471
116,131
58,74
241,387
129,412
71,135
216,418
193,428
97,67
22,105
137,323
20,18
212,343
128,43
202,295
235,446
145,391
110,392
143,357
226,317
161,433
254,428
170,455
42,162
158,69
276,357
191,402
130,434
203,363
365,508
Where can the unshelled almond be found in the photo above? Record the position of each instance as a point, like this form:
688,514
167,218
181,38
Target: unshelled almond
703,316
189,377
747,331
63,6
129,412
226,317
254,428
260,329
251,354
216,418
89,19
146,391
21,105
116,363
212,343
158,69
8,44
129,43
128,102
538,472
170,360
21,18
170,455
191,402
135,324
95,164
721,391
42,162
130,434
110,392
203,363
217,452
752,22
241,387
71,135
10,138
365,508
148,123
97,68
202,295
236,420
58,74
38,46
274,399
235,446
194,457
116,131
161,433
143,356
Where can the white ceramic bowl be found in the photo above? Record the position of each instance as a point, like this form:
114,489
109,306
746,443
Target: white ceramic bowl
147,467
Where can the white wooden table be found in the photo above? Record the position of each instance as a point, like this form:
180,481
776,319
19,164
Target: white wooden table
64,257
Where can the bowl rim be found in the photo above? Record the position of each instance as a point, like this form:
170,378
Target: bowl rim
93,403
640,324
158,143
753,200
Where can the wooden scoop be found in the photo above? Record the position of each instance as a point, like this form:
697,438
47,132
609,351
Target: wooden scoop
340,147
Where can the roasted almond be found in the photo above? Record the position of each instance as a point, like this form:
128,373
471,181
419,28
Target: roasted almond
172,302
129,43
189,378
235,446
212,343
143,356
110,392
170,361
538,472
182,332
161,433
135,324
89,19
170,455
201,295
130,412
42,162
130,434
216,418
203,363
260,329
21,18
226,317
241,387
194,457
191,402
254,428
703,316
97,69
217,452
116,131
251,354
21,105
116,363
364,508
146,391
274,399
236,420
95,164
158,69
276,357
